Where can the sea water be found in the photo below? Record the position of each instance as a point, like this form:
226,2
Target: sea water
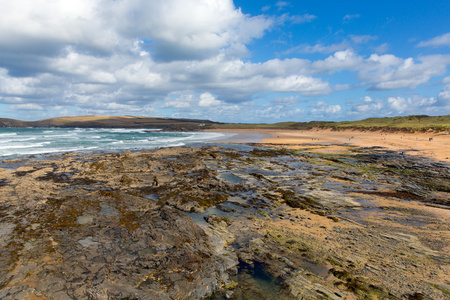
20,142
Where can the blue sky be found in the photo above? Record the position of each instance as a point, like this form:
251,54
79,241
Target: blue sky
241,61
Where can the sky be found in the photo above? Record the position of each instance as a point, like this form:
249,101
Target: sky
222,60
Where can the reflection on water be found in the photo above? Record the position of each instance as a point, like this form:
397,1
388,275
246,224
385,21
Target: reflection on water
254,282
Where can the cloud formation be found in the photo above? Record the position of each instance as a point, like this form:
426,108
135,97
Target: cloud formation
439,41
193,58
347,18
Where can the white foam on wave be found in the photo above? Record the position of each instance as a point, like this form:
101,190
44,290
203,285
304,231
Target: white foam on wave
38,141
8,134
18,139
210,135
25,146
65,135
125,130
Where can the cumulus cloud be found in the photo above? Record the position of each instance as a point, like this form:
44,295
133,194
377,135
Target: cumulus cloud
208,100
10,86
186,57
368,106
340,60
325,109
188,29
444,95
403,105
177,29
388,72
179,100
439,41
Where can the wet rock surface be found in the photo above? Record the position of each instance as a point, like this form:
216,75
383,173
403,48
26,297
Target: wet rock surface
224,223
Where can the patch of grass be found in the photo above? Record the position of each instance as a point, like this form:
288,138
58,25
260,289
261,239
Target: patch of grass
406,124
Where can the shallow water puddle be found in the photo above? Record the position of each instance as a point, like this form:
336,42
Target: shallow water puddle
230,177
152,197
199,218
255,282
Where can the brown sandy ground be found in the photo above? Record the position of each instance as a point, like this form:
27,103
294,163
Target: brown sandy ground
409,143
357,223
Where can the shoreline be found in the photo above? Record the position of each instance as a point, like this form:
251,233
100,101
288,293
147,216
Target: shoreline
418,144
317,140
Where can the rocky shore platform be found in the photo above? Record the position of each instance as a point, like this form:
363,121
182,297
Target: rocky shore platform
226,223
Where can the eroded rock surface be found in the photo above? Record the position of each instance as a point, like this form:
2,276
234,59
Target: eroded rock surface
174,224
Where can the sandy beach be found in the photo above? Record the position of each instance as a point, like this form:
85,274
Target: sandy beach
419,144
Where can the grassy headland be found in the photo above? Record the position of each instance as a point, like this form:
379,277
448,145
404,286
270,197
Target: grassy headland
95,121
406,124
409,123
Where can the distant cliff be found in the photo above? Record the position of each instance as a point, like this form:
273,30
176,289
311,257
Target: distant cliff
12,123
113,122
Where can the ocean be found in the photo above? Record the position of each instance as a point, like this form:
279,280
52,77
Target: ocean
22,142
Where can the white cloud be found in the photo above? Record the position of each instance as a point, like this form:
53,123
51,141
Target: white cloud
381,48
399,104
388,72
177,29
348,18
288,101
411,105
439,41
444,95
368,105
16,86
180,100
27,106
208,100
100,56
325,109
346,44
318,48
296,19
308,86
187,29
341,60
140,74
282,4
446,80
362,39
47,26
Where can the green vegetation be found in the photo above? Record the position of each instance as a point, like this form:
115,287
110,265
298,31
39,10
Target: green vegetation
113,122
409,123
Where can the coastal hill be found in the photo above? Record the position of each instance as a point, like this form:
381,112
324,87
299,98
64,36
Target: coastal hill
408,123
95,121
